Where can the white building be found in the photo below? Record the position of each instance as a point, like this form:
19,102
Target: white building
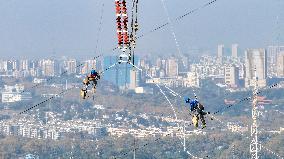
280,64
256,59
172,67
235,50
71,66
220,53
143,90
232,76
51,134
192,80
39,80
134,79
48,67
15,93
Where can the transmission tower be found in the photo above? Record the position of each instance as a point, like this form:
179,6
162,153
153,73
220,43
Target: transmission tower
254,145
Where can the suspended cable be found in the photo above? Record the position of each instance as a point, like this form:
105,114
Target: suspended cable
48,99
225,125
100,27
49,79
161,26
244,99
179,18
53,97
169,104
171,27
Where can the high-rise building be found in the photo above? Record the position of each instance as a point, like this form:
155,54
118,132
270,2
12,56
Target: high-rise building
183,64
220,53
9,65
88,66
172,67
232,76
24,65
159,62
256,59
34,68
134,79
71,66
220,50
280,64
3,65
120,73
272,54
15,64
48,67
99,65
235,50
92,64
192,80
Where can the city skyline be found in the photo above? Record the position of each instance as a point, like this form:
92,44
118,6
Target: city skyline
233,71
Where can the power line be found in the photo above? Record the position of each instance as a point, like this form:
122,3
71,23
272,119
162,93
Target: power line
171,27
100,27
151,31
49,79
62,92
179,18
216,119
48,99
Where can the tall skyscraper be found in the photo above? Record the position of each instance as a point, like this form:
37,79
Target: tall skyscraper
172,67
232,76
70,66
3,65
280,64
119,74
220,53
24,65
183,64
256,59
134,79
235,50
15,64
88,66
272,54
48,67
159,62
9,65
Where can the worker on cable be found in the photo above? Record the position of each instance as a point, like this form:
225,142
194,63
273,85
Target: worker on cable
92,78
198,109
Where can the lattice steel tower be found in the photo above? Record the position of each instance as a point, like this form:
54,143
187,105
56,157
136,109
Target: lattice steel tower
254,145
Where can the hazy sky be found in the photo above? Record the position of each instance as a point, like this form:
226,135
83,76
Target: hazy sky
34,28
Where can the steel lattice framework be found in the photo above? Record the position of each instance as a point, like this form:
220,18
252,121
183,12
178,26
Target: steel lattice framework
255,147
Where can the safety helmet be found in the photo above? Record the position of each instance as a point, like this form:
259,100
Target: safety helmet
93,72
186,99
